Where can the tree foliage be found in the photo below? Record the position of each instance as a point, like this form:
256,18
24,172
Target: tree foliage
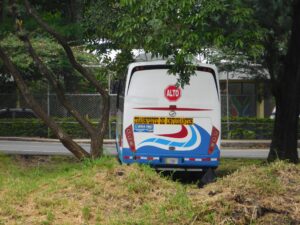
62,18
180,29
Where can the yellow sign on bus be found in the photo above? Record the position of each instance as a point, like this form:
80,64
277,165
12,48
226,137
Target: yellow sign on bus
163,120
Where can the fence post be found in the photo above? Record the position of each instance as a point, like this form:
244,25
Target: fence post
227,103
48,107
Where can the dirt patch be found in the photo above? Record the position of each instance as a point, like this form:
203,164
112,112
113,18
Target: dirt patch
255,194
30,161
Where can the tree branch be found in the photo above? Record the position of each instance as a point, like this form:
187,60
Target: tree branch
23,36
56,85
76,149
67,49
102,126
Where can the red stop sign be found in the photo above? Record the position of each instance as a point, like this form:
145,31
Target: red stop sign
172,93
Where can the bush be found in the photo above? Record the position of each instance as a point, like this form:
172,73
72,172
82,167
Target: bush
22,127
36,128
248,128
71,127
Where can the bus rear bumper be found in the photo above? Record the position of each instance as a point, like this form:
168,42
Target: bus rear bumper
176,162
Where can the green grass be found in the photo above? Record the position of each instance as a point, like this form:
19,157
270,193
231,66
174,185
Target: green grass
61,190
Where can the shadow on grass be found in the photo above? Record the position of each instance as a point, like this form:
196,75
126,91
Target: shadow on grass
226,167
183,177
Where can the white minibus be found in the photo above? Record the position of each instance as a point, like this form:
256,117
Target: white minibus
164,125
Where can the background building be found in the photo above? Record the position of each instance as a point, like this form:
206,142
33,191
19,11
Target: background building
245,96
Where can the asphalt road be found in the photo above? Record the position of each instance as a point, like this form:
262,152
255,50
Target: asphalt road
44,148
56,148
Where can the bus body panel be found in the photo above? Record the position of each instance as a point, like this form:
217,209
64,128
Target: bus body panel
165,125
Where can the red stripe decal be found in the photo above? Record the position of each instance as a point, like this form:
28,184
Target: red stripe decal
181,134
173,109
213,139
130,138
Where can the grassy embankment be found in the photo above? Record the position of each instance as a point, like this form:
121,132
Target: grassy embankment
62,191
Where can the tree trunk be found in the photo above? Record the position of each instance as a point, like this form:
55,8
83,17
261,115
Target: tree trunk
287,96
76,149
96,146
97,140
98,135
55,85
75,10
1,10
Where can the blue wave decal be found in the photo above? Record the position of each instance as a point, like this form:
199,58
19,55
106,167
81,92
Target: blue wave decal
205,137
166,142
161,141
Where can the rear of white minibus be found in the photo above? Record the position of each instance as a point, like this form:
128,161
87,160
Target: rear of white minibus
167,126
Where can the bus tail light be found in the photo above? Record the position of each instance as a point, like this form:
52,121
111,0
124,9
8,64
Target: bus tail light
130,138
213,140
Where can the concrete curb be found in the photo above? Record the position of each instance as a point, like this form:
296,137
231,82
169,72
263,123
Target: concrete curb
242,144
37,139
247,144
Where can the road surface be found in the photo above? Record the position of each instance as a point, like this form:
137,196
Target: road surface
44,148
56,148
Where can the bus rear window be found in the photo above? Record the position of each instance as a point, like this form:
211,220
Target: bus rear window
152,83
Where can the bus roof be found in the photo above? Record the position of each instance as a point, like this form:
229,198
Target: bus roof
164,62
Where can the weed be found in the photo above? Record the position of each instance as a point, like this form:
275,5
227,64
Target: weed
49,219
84,183
210,218
177,208
141,180
86,213
106,162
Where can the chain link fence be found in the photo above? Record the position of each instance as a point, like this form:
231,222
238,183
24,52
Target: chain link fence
13,107
89,105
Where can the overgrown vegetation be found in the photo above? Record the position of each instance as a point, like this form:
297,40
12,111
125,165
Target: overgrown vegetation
56,190
267,194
